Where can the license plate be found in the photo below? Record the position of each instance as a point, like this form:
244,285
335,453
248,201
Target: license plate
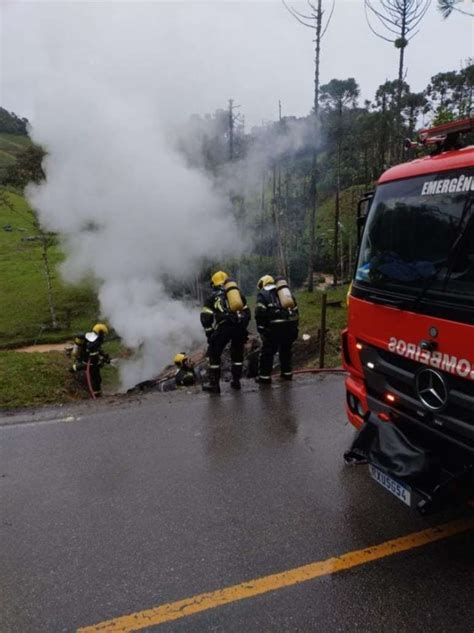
400,491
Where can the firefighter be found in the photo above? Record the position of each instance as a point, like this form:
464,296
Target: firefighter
276,314
185,376
78,353
88,356
225,317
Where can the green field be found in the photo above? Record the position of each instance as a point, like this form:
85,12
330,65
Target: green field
24,311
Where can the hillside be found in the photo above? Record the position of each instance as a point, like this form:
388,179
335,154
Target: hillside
325,222
24,312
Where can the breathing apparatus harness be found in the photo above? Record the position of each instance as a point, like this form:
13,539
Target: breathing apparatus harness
228,304
276,313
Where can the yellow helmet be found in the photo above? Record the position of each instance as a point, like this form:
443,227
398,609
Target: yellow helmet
219,278
100,328
180,359
264,281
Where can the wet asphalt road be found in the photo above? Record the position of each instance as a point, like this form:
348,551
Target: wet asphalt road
112,509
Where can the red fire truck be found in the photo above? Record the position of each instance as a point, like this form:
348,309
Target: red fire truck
409,344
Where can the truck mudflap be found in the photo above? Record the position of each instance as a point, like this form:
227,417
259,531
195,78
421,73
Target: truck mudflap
424,473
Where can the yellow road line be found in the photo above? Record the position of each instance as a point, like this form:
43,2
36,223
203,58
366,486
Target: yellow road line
258,586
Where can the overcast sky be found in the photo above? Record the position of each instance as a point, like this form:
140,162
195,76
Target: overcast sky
202,53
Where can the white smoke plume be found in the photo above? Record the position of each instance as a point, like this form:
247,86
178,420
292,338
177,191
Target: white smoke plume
129,210
270,143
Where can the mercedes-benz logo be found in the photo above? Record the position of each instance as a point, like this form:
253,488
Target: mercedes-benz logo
431,389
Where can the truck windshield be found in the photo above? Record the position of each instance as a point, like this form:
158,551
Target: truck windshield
419,236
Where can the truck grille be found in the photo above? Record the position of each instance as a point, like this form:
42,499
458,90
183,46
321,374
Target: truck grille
386,372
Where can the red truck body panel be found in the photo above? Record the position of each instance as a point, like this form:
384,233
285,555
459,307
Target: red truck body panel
401,331
446,161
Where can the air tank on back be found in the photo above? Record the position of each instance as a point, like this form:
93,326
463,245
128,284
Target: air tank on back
234,298
284,294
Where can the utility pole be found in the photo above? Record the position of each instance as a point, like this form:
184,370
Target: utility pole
283,269
238,202
231,129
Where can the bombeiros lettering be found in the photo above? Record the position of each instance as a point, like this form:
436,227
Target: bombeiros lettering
445,362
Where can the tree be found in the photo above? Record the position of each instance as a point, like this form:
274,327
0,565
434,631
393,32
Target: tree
451,93
336,96
446,7
10,123
467,73
27,168
413,104
386,105
399,19
314,21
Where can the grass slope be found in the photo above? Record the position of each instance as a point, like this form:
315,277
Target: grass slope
307,353
24,312
347,217
34,379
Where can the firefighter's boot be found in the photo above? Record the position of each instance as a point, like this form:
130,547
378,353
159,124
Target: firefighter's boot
212,386
236,375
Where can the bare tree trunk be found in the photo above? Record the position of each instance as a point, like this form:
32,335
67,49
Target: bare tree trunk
338,194
231,129
319,23
342,256
279,212
287,242
276,220
336,231
350,257
312,225
398,134
47,272
313,190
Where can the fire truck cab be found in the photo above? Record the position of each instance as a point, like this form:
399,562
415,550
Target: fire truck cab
409,343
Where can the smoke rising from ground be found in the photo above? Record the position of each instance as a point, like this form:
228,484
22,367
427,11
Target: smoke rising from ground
111,88
129,210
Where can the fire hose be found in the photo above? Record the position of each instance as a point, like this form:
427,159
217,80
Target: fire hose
313,370
88,380
321,370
